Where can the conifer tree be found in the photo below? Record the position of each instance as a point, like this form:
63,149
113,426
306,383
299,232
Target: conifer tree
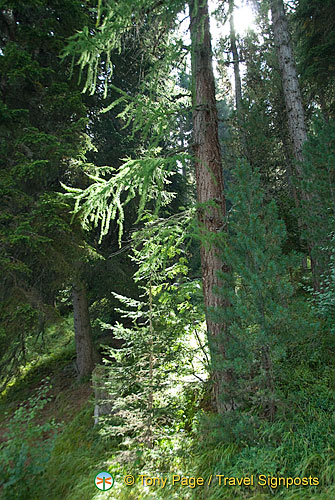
293,103
291,88
259,294
325,298
42,139
155,346
318,210
151,112
209,182
315,43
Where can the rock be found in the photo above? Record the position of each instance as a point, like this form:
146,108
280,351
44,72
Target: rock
103,401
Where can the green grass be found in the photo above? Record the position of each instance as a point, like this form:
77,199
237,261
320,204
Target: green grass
43,361
77,457
300,443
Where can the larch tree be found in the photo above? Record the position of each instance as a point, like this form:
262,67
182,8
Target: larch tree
209,181
148,111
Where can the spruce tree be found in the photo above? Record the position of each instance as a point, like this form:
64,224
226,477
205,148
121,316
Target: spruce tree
155,338
42,139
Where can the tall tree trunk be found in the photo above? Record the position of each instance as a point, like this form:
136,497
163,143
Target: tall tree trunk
236,63
209,180
237,79
82,328
292,94
294,106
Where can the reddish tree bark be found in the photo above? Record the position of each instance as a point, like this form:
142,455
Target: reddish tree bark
209,180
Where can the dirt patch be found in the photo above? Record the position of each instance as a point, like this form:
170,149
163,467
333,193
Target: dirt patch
66,403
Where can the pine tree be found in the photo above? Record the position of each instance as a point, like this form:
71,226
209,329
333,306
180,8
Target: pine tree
325,298
318,210
259,293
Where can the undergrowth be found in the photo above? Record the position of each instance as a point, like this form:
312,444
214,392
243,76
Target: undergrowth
300,442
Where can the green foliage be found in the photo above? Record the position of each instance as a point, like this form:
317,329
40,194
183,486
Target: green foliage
78,452
153,110
318,211
325,297
299,443
280,375
280,355
43,120
265,131
155,357
93,49
105,199
315,34
258,292
26,451
149,110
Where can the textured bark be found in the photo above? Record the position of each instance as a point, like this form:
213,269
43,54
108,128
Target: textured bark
290,169
209,180
292,94
82,327
293,102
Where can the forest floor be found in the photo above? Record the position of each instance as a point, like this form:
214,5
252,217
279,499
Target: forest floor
66,395
79,452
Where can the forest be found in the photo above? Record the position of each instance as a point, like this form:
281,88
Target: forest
167,249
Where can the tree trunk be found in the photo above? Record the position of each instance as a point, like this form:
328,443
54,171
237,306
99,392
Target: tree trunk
294,107
237,78
209,180
234,51
293,101
82,328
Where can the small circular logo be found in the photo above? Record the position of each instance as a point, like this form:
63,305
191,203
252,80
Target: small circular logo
104,481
